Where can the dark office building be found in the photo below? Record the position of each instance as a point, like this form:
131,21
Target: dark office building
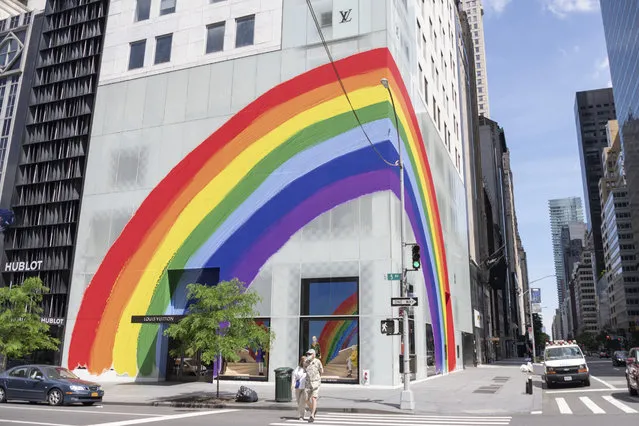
44,186
621,24
593,109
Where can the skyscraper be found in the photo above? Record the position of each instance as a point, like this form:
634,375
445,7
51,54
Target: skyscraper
562,212
593,109
475,12
620,21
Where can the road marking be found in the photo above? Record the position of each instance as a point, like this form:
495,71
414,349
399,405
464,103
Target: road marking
590,404
586,390
620,405
536,412
602,382
411,416
24,422
163,418
66,410
355,419
563,406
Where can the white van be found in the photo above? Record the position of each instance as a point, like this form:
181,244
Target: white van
564,362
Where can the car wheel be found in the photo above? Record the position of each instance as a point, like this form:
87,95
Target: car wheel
55,397
549,385
587,382
3,395
631,390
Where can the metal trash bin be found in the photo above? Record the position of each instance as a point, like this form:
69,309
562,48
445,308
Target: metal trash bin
283,383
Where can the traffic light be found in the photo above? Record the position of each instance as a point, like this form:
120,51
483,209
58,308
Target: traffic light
416,258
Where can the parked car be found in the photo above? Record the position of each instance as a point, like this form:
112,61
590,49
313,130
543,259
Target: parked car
604,354
47,383
619,358
632,371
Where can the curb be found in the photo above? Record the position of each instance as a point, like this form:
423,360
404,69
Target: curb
249,406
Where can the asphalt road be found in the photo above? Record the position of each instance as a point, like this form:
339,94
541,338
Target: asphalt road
606,400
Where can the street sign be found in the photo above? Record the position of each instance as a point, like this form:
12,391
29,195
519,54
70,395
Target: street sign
393,276
403,301
389,328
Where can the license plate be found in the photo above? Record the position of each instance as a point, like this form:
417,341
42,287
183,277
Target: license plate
94,394
567,379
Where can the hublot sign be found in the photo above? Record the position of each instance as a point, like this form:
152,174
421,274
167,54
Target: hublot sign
34,265
52,321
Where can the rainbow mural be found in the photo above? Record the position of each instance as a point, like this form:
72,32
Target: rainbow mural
337,333
291,155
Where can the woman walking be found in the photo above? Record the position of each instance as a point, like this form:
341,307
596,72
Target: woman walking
299,382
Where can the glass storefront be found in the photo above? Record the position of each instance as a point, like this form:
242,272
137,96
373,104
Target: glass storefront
329,323
252,365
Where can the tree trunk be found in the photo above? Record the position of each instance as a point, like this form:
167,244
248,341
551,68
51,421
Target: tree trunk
3,362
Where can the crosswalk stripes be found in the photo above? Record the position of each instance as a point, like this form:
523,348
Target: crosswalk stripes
353,419
609,405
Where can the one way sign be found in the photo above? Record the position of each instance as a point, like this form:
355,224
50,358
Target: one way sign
404,301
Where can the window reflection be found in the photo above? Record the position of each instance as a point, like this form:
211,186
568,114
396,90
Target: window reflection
330,325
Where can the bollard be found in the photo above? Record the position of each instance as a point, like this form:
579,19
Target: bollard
529,386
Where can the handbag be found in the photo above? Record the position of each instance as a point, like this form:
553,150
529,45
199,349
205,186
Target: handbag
297,384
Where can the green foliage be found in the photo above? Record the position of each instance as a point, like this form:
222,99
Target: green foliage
220,321
21,331
540,336
588,340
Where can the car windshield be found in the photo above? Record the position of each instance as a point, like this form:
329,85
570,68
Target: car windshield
567,352
59,373
622,353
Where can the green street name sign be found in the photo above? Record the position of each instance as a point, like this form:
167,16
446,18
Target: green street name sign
393,277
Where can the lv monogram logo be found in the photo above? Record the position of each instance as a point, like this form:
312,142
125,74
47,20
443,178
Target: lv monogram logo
346,15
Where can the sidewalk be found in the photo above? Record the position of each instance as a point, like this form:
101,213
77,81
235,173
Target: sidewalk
494,389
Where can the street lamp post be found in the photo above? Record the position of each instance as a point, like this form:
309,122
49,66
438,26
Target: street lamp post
407,402
532,324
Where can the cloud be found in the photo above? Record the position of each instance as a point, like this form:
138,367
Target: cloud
602,70
497,6
562,8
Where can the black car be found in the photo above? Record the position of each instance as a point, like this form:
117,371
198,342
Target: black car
619,358
47,383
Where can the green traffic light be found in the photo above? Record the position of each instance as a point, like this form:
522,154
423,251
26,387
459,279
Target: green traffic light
416,265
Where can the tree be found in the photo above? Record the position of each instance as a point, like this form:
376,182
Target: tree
540,336
588,340
219,323
21,330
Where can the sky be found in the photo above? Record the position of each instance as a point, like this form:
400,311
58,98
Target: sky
539,53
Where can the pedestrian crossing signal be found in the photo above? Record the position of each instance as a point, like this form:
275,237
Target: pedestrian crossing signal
416,258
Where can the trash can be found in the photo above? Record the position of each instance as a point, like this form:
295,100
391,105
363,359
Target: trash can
283,384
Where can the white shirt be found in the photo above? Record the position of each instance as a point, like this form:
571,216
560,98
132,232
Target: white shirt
299,374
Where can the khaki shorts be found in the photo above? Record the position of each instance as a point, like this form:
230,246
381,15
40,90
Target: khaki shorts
312,393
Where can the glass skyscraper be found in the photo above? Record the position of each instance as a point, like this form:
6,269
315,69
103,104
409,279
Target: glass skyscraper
621,27
562,211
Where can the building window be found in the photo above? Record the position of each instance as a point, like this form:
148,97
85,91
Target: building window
215,37
245,28
142,10
329,323
136,55
326,19
252,365
167,6
163,48
425,91
15,21
8,51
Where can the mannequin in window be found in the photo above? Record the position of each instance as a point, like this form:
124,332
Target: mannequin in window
316,347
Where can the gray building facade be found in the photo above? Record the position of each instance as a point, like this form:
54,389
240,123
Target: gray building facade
593,109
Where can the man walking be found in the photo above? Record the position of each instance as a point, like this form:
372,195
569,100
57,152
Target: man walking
314,370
